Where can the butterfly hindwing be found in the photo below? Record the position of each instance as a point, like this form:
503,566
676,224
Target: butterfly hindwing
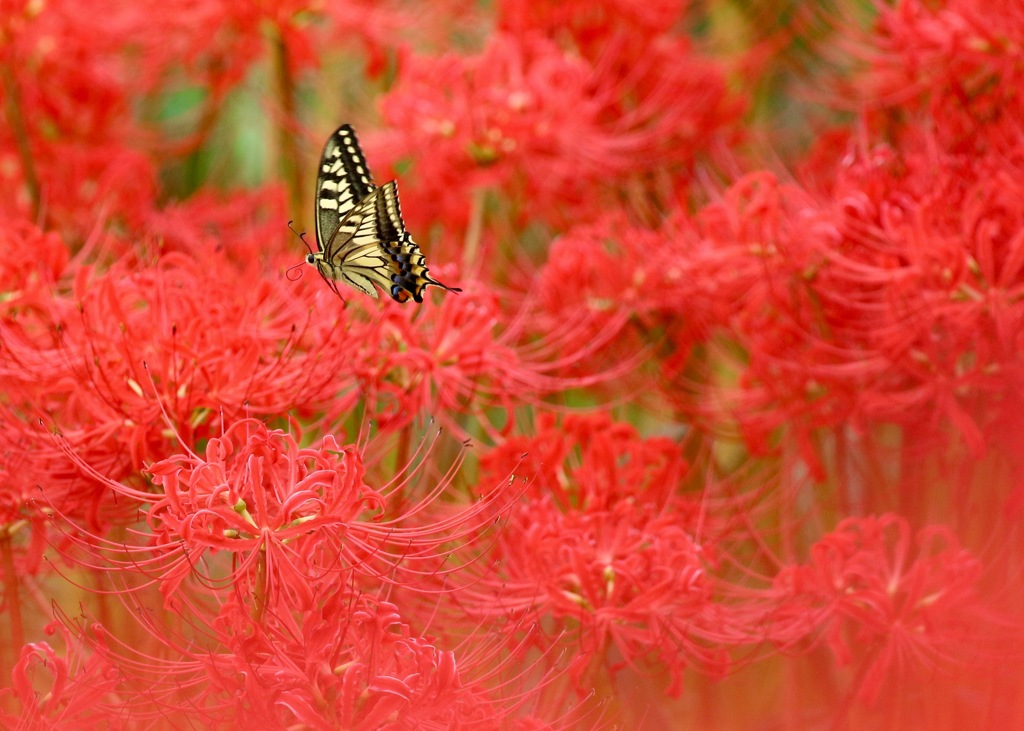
410,274
342,181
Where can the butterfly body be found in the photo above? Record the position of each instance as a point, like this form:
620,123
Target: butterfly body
360,233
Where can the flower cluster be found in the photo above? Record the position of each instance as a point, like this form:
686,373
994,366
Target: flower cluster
723,405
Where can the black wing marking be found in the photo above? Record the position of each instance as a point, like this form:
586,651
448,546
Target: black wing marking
342,182
410,275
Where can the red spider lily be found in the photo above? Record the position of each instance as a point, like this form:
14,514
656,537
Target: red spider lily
291,517
73,71
618,463
212,222
352,661
459,361
73,157
631,586
169,340
546,127
294,638
383,28
445,361
613,268
630,292
355,664
32,265
888,304
956,61
589,22
258,495
881,605
604,548
32,261
75,688
35,480
754,273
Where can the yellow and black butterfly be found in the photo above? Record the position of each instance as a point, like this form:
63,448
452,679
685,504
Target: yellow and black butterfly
359,228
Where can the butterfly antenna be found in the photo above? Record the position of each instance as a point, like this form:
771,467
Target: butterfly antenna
302,236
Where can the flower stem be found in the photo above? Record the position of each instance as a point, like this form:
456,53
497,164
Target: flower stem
288,155
12,599
13,110
259,597
474,231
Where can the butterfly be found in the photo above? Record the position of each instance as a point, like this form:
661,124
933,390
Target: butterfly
360,233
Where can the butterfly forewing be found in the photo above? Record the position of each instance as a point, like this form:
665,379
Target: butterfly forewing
355,245
357,229
342,182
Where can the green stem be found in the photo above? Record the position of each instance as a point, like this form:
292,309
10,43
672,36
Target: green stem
288,154
471,246
259,594
402,463
9,650
13,110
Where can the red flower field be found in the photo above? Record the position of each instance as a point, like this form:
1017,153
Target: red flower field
719,429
